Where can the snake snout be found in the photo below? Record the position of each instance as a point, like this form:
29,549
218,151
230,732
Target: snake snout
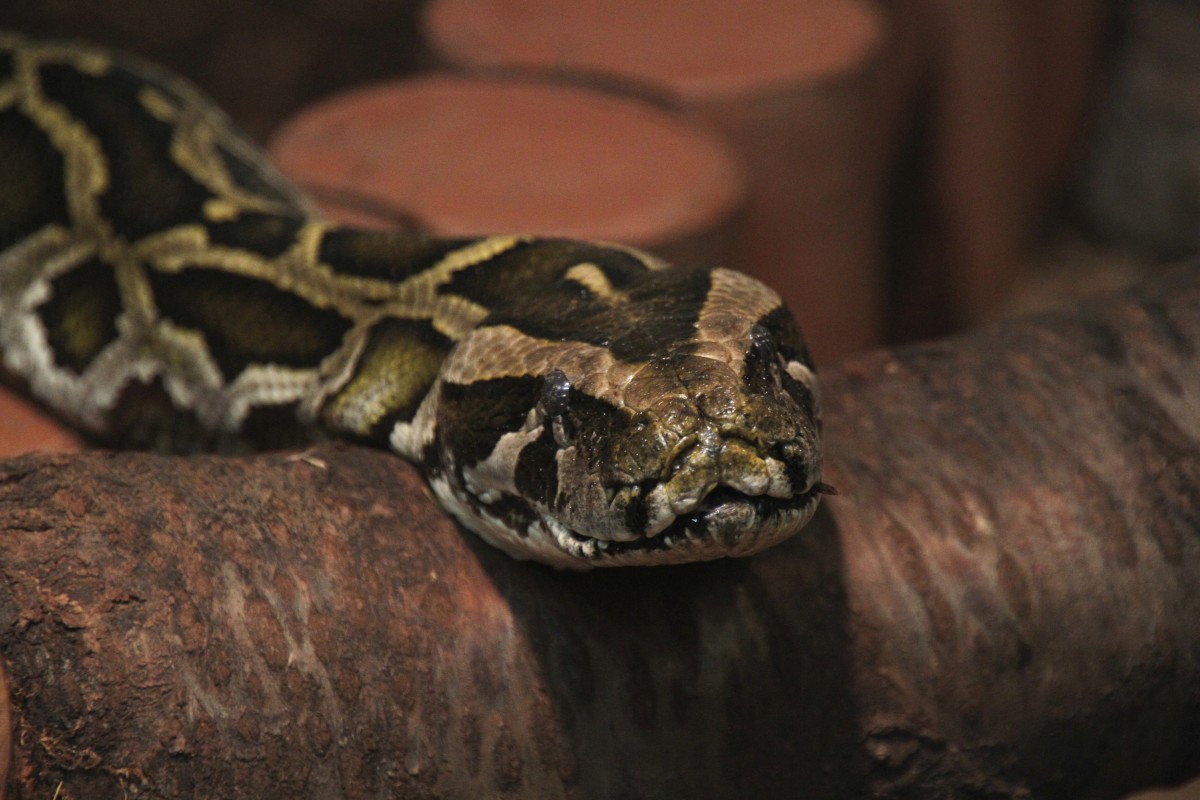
712,469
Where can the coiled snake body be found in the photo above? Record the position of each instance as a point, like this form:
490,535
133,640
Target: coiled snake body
580,404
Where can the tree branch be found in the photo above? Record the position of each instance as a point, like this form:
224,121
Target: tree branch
1001,602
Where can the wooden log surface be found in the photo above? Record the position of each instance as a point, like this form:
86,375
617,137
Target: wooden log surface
1001,602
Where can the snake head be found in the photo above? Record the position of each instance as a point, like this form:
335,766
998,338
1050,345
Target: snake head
673,419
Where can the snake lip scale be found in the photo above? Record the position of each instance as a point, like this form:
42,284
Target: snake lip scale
698,529
577,403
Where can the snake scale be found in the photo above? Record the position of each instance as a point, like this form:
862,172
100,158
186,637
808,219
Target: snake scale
581,404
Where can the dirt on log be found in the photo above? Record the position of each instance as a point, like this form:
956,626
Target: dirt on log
1001,602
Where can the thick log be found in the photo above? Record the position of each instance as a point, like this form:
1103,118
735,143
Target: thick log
1001,602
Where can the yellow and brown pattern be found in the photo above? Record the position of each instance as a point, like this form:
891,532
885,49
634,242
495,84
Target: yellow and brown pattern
577,403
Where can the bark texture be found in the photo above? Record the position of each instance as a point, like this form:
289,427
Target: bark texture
1002,602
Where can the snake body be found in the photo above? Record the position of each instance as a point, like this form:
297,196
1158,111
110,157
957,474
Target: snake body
162,285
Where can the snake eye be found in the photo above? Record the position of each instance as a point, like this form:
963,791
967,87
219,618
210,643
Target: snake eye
556,394
762,359
762,343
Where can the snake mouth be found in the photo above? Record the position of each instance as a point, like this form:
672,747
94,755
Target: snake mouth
727,522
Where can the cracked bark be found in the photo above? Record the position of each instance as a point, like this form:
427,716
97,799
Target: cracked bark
1000,603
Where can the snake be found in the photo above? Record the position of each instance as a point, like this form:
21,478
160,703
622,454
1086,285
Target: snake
577,403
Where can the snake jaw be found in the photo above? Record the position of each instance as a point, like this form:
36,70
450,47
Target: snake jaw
710,464
723,497
725,523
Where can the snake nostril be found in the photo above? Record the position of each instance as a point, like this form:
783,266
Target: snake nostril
795,463
789,450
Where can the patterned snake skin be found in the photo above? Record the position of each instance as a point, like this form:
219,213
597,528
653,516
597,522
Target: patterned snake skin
161,285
